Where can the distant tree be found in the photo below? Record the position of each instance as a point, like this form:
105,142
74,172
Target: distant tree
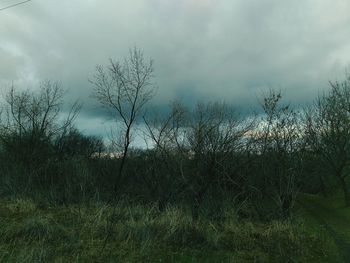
74,143
197,146
280,149
328,131
31,121
215,133
124,87
168,154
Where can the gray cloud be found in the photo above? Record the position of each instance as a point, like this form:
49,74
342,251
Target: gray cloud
225,49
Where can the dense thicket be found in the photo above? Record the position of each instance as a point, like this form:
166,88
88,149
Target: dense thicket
201,157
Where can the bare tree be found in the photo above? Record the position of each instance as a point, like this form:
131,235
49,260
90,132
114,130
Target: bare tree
35,116
74,143
197,146
280,146
124,87
328,131
167,154
215,134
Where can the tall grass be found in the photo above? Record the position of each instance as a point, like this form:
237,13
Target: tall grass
140,233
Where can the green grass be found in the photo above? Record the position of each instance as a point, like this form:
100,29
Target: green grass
330,216
32,233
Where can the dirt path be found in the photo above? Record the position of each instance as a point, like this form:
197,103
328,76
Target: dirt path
333,223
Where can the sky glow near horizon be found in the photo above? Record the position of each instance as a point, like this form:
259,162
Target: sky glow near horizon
227,50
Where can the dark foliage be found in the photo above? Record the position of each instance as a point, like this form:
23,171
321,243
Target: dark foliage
200,158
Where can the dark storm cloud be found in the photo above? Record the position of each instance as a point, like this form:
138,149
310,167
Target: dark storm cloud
227,50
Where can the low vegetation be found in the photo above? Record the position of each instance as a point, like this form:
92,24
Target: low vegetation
32,233
214,186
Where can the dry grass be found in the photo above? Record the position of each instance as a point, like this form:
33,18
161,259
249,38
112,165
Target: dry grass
142,234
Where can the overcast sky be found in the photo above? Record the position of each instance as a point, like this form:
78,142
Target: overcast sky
228,50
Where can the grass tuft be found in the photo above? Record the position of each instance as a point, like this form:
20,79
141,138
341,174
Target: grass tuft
140,233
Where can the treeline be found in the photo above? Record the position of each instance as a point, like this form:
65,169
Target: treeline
202,157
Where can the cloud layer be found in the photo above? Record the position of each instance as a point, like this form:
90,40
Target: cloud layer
229,50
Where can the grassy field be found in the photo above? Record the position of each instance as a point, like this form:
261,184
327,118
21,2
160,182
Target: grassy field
31,232
331,215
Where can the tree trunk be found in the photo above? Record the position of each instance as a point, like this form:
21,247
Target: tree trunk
197,201
346,192
120,175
